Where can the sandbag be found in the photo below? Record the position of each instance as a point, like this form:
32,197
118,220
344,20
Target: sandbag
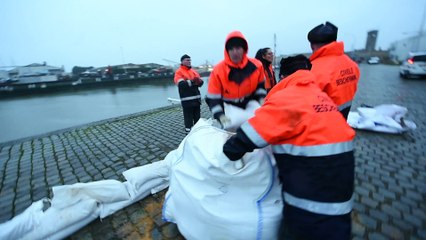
386,118
211,197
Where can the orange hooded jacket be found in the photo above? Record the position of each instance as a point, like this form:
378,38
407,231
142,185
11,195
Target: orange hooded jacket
312,145
337,74
235,84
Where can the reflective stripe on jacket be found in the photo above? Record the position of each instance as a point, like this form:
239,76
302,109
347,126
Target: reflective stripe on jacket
189,93
336,73
235,84
312,144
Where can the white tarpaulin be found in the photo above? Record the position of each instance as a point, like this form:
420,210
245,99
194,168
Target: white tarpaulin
211,197
387,118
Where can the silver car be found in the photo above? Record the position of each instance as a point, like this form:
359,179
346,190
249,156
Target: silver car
414,66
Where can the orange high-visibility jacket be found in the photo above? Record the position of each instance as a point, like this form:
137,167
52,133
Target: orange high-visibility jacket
270,80
188,92
337,74
235,84
311,142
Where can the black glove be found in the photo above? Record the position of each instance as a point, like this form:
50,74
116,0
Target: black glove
233,156
238,145
232,150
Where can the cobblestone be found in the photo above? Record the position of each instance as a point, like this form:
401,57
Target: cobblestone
390,178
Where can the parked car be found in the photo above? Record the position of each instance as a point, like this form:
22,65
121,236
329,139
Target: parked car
373,60
414,66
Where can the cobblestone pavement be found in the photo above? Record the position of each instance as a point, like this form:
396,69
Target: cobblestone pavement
390,188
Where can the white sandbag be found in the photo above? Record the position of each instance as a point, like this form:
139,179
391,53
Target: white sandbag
58,223
36,222
22,223
211,197
239,115
150,187
104,191
387,118
137,177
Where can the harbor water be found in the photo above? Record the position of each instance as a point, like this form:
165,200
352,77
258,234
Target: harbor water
27,116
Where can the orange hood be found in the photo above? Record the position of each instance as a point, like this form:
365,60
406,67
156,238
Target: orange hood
236,34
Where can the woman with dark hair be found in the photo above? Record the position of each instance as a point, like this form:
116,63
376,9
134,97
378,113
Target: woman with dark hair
266,56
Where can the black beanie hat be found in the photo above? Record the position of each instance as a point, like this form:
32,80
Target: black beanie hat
236,41
290,65
323,33
184,56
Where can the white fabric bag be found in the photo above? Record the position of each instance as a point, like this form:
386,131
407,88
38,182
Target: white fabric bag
211,197
387,118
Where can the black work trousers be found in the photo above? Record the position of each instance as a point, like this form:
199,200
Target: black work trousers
191,114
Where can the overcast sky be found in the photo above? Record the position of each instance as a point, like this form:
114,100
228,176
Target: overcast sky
110,32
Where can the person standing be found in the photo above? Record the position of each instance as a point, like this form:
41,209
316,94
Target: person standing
336,73
313,148
235,80
266,57
188,82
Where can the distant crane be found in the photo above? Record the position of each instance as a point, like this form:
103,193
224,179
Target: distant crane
172,64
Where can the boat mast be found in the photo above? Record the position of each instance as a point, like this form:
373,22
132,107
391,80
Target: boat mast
275,50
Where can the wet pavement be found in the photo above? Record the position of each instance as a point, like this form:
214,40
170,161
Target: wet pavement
390,187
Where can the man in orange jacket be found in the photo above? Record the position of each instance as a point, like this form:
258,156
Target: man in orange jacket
313,148
188,82
236,80
336,73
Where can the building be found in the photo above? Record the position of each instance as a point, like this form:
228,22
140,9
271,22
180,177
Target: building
4,75
370,45
399,50
35,73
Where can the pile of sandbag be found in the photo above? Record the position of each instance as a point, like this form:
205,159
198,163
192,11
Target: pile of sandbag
74,206
387,118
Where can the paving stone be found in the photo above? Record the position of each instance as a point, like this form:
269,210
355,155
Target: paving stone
369,202
170,231
391,211
379,215
414,220
368,221
391,231
377,236
358,229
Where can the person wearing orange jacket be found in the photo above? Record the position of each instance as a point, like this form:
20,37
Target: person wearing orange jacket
337,74
189,82
266,57
236,80
313,148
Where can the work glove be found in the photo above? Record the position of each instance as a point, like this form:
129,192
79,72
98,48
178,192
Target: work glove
232,156
224,121
197,81
201,83
189,82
